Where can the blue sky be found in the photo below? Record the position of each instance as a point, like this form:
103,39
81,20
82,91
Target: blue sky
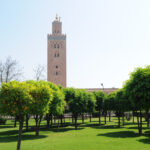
106,39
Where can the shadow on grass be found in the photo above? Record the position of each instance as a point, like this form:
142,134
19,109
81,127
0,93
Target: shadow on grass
136,127
90,125
12,135
145,141
146,134
6,139
61,129
8,133
129,123
55,128
106,127
5,126
121,134
55,125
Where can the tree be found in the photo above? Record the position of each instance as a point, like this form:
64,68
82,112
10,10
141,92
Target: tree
84,97
69,95
119,105
138,90
91,103
109,103
42,96
39,71
10,70
76,105
1,72
100,96
105,109
57,105
122,105
15,100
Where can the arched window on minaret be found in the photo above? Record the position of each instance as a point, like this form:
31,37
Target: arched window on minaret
57,45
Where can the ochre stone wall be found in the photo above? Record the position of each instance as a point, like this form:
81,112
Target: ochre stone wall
106,90
56,55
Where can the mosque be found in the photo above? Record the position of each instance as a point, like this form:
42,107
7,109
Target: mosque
56,57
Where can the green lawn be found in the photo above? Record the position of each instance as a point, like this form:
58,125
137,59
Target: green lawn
89,136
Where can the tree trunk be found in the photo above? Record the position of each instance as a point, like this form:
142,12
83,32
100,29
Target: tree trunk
48,120
76,125
72,119
20,132
148,123
83,118
109,116
37,132
36,128
61,120
54,119
90,117
64,120
147,117
140,129
105,117
38,121
51,117
123,119
148,120
138,120
58,124
15,122
119,121
133,116
27,122
99,117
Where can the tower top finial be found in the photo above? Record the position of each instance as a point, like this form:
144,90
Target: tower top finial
56,17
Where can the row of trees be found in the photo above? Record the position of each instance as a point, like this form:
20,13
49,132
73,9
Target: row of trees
44,99
133,97
22,99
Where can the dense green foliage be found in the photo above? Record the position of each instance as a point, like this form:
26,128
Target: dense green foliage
91,104
78,105
15,100
69,94
137,88
43,100
99,96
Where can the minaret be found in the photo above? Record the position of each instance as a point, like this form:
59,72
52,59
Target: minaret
56,54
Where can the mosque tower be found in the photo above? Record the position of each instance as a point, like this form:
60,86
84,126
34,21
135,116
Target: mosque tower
56,54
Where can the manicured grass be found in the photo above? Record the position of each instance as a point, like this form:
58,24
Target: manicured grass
89,136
